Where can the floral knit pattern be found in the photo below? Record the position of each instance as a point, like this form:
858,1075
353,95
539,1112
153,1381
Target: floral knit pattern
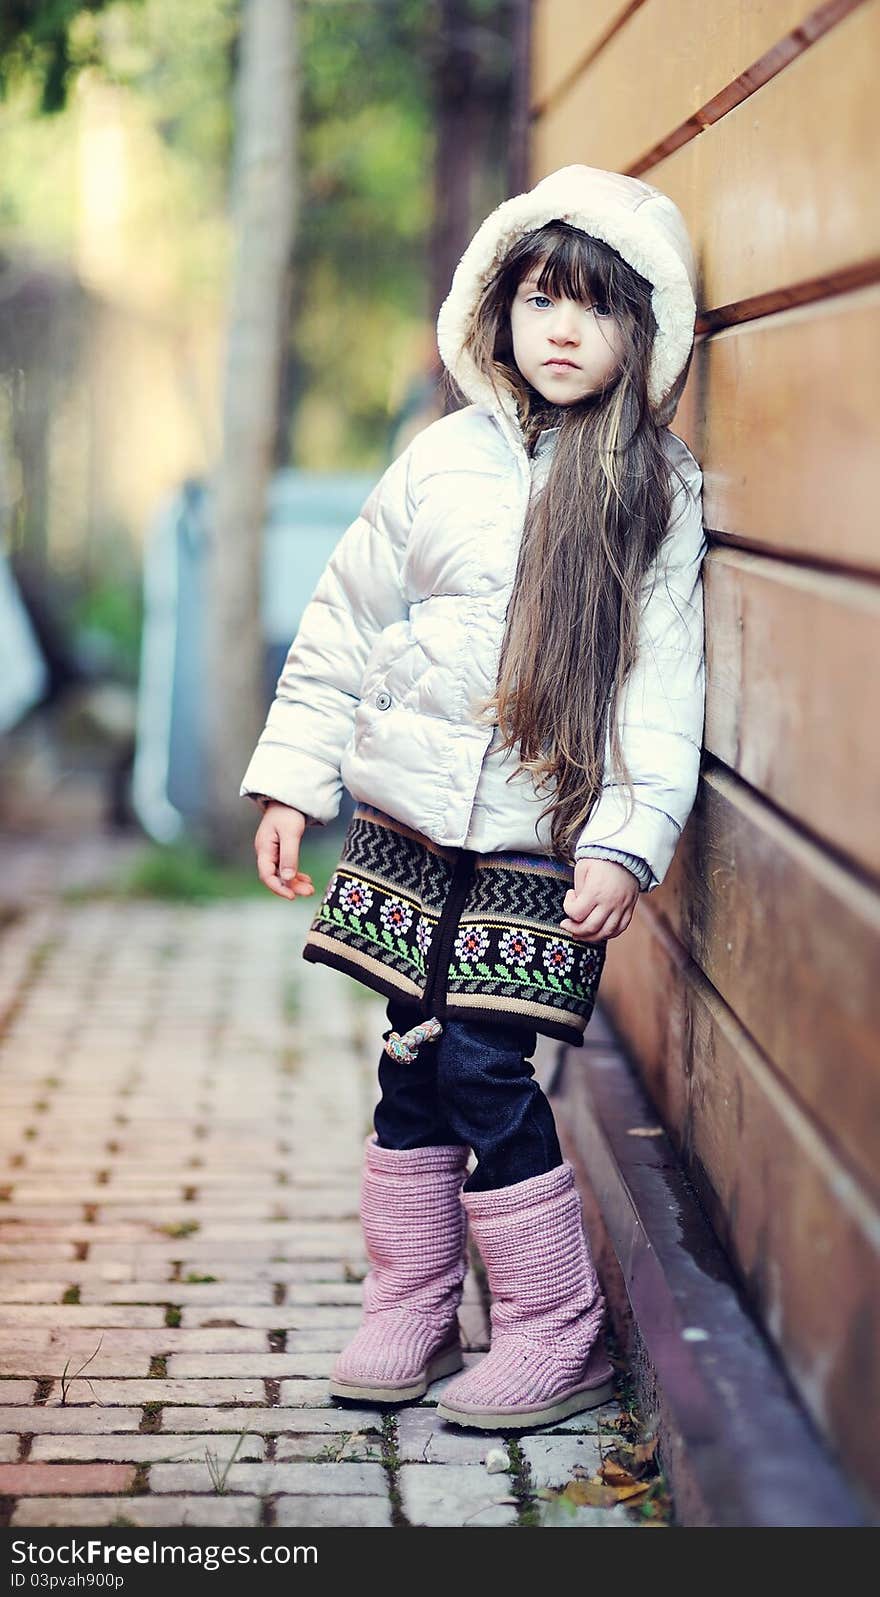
392,899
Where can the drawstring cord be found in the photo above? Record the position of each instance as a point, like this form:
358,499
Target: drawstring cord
404,1047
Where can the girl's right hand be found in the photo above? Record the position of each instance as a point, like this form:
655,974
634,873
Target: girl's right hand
277,842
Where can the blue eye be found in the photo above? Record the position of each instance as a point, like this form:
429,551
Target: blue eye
602,310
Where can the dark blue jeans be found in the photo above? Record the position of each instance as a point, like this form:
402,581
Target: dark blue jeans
474,1085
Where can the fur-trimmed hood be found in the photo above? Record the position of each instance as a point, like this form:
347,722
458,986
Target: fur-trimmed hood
644,225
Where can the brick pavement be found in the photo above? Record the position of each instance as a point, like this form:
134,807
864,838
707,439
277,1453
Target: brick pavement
184,1105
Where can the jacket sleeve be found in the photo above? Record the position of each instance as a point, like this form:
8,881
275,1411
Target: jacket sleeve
663,700
640,868
358,594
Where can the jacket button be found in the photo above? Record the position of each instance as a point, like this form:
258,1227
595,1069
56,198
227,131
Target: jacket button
383,700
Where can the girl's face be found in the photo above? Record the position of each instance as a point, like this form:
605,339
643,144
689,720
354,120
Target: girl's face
565,349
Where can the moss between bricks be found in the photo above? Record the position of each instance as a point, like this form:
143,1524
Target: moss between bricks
522,1486
391,1464
151,1419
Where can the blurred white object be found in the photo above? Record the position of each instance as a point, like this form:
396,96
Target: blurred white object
306,513
24,677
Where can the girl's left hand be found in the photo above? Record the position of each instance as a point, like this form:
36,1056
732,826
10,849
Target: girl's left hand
602,902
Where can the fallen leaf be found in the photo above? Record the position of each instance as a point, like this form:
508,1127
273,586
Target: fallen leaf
590,1494
625,1494
632,1455
614,1474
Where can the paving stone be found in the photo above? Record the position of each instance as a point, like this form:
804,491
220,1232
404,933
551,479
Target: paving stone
24,1340
74,1271
201,1295
553,1459
322,1294
244,1266
319,1512
589,1420
232,1220
76,1314
21,1480
300,1479
422,1438
48,1364
273,1421
203,1341
561,1515
17,1391
272,1365
305,1394
26,1251
241,1255
8,1449
157,1390
454,1494
348,1446
199,1512
33,1291
298,1319
80,1421
140,1448
34,1226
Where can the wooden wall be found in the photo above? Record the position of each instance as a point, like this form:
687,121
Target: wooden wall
748,984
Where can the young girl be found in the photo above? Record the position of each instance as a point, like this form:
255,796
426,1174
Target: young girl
503,663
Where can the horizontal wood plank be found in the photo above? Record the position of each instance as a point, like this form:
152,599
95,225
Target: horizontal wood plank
786,426
791,942
781,190
669,60
800,1231
564,33
791,654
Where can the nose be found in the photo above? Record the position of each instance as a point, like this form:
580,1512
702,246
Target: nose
565,328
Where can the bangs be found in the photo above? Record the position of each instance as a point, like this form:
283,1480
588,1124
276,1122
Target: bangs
572,264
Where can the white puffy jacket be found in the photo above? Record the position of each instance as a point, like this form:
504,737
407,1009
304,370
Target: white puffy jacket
404,631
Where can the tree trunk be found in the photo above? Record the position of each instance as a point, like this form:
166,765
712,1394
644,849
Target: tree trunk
474,92
264,208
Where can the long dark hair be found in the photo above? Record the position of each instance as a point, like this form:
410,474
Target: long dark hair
590,534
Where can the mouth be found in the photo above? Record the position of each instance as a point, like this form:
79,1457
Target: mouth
566,363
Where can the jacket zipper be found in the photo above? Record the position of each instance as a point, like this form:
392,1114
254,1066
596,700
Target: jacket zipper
437,970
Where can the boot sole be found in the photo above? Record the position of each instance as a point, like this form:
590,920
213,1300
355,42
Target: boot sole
500,1419
447,1362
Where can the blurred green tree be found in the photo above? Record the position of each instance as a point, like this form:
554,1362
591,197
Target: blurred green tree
36,40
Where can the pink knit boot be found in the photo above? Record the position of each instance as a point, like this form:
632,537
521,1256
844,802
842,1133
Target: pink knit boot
547,1358
415,1232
